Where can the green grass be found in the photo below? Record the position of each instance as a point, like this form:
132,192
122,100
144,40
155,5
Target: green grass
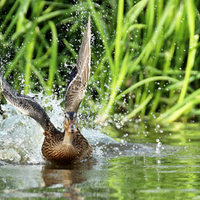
145,54
149,46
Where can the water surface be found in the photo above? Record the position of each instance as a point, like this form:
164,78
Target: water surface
140,161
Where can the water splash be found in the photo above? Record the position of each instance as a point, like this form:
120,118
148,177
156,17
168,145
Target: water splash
21,137
159,146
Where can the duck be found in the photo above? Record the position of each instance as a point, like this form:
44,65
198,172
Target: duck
59,147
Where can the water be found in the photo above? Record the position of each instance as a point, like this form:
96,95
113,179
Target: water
143,162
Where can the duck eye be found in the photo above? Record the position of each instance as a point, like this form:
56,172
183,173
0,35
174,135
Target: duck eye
67,116
75,117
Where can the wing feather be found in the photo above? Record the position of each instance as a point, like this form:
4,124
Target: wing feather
25,104
79,77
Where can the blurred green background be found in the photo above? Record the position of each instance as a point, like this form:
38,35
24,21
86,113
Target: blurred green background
145,54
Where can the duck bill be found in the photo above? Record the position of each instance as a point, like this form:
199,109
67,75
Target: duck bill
70,126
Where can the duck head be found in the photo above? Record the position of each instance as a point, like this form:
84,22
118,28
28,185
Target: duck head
70,125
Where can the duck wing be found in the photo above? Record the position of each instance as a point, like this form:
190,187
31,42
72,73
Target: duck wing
25,104
80,74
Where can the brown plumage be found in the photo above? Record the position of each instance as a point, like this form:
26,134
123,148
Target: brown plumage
70,145
58,150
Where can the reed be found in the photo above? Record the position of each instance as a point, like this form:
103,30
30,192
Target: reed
29,32
150,48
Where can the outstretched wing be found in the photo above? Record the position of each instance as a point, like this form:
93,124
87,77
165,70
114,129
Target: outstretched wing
25,104
80,74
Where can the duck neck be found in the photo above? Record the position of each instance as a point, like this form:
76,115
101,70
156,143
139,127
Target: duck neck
70,129
68,138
